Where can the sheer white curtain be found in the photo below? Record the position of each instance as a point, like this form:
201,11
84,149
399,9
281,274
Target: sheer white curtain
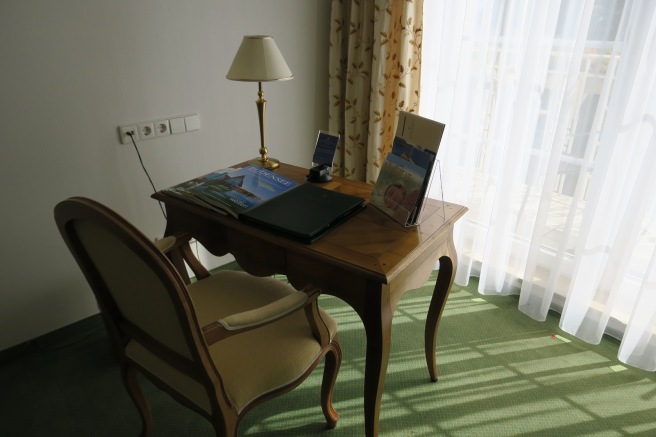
550,109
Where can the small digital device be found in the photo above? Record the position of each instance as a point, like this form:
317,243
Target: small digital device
322,160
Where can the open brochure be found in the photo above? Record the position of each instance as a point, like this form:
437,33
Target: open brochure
405,175
233,191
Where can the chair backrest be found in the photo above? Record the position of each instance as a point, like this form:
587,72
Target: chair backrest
141,295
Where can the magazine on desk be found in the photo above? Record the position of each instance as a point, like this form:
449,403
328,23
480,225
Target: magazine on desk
233,191
263,198
184,190
404,178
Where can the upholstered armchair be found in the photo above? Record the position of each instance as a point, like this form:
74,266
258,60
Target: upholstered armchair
219,345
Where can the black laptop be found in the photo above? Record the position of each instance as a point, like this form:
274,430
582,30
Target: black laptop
304,213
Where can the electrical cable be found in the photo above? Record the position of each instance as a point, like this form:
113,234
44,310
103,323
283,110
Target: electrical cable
131,135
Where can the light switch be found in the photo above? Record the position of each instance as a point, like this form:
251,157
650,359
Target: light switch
177,125
192,122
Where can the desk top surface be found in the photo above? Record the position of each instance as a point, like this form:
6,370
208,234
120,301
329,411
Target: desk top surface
370,241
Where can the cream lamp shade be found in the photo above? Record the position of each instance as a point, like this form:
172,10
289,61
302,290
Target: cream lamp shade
259,60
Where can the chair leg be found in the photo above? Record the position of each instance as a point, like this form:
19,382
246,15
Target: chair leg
131,381
332,362
225,426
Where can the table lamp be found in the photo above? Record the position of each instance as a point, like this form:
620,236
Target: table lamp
259,60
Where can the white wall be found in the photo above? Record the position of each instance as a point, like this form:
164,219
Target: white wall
71,71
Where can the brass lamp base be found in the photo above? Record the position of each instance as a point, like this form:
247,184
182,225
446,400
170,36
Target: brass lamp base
268,163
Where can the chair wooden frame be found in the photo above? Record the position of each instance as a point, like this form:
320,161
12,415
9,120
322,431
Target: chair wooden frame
200,367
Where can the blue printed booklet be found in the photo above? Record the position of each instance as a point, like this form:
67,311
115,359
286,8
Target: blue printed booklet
184,190
401,180
233,191
405,175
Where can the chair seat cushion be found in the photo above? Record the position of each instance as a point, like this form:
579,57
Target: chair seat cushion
243,361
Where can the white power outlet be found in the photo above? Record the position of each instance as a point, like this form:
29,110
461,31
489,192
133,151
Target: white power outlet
146,131
162,128
123,131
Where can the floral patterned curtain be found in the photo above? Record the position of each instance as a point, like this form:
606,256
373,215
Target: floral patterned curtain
375,60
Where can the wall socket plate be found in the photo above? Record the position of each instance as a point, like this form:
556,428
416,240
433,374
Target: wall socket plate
123,131
162,128
147,130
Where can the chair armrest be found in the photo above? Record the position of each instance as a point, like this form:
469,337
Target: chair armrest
255,318
263,315
177,248
165,244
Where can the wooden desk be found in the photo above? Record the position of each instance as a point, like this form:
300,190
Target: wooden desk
369,262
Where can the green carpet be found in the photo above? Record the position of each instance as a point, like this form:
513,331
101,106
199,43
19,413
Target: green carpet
500,374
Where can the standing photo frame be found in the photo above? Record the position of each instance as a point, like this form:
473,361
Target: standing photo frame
322,159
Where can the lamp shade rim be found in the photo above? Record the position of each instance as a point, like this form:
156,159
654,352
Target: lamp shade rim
260,80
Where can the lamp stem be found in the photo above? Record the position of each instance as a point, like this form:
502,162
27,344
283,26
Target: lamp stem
263,160
261,107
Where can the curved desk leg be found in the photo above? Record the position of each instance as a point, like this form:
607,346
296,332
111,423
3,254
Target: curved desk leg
378,326
447,272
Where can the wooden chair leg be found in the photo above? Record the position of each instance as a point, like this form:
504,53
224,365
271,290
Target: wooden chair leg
220,431
332,362
131,381
225,426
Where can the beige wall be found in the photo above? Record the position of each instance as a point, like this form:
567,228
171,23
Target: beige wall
71,71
